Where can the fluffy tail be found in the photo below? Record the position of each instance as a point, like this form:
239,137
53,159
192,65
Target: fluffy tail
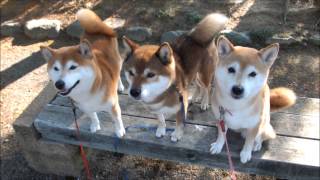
281,98
208,27
92,23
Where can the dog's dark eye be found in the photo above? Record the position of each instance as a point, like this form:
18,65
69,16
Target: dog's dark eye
131,73
73,67
56,69
231,70
150,75
252,74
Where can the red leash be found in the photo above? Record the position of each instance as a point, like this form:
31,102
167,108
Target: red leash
82,152
222,126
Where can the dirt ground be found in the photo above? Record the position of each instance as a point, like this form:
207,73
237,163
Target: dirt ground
24,77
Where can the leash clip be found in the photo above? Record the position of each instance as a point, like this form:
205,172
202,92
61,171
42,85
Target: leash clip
222,112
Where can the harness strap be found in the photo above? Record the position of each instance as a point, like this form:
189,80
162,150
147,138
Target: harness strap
82,152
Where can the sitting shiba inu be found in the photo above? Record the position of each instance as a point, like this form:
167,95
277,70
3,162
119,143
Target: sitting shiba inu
241,88
89,72
159,76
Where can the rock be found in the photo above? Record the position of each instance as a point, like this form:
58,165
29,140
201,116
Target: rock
282,39
170,36
315,39
193,17
75,30
138,33
238,38
10,28
42,28
115,22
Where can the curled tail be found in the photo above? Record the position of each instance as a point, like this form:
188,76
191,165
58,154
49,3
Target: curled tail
92,23
281,98
208,27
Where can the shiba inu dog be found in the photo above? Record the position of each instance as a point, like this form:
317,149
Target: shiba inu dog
241,88
159,76
89,72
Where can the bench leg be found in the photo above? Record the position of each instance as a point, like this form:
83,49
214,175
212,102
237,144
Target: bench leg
48,157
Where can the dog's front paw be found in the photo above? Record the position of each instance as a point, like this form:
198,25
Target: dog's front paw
204,106
120,132
176,135
196,98
245,156
161,131
257,146
94,127
120,87
216,147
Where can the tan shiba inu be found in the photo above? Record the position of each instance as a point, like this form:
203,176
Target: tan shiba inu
241,88
159,75
89,72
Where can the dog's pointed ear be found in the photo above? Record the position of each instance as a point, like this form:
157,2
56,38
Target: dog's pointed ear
224,46
269,54
165,53
85,48
129,45
46,52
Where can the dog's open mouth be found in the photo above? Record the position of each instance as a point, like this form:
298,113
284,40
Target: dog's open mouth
67,91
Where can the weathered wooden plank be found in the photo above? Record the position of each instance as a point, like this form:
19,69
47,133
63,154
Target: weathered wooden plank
303,106
289,124
288,157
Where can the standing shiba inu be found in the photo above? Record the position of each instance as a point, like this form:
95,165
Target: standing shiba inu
159,76
241,88
89,72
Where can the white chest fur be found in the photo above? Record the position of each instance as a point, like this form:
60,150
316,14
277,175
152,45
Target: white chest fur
242,114
238,119
88,102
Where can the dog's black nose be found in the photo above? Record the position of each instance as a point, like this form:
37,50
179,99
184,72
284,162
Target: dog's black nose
135,92
237,90
59,84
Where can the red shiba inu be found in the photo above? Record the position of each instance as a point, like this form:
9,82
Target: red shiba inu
89,72
241,88
159,75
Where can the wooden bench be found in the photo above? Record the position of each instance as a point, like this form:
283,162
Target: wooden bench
293,154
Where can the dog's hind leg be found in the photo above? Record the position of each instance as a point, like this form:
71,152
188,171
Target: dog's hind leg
117,120
161,130
205,98
197,95
178,132
180,119
205,78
